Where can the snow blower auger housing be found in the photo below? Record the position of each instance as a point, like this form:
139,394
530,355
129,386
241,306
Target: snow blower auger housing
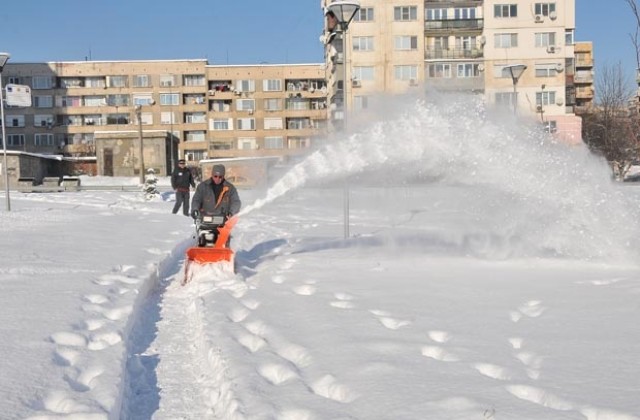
212,237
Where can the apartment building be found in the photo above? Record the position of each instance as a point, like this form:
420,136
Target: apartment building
583,80
393,46
206,110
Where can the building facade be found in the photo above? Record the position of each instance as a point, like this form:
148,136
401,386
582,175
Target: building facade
394,46
207,111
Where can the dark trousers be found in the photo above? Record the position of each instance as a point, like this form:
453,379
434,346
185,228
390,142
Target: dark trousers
182,199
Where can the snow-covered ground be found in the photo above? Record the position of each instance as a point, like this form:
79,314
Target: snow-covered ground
490,274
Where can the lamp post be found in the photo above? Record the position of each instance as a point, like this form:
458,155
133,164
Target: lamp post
138,110
4,57
515,71
340,14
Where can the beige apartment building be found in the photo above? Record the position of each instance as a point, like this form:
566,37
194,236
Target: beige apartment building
202,111
394,46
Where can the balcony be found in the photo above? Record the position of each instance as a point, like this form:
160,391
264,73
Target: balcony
452,53
451,25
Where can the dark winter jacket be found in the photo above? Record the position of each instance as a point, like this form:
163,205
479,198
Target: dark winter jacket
182,179
217,203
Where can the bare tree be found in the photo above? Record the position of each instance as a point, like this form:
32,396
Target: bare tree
634,39
613,130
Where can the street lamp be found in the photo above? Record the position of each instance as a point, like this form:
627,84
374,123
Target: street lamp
4,57
138,109
515,71
340,14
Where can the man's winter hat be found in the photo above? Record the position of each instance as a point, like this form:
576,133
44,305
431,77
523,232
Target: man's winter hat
218,170
182,161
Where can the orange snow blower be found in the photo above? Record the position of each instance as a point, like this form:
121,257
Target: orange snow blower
212,235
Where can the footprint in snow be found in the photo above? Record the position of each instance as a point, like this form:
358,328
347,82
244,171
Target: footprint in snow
389,322
305,290
276,374
96,299
69,339
493,371
238,314
439,336
103,340
329,388
438,353
65,357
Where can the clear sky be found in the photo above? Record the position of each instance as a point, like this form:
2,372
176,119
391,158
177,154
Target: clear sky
227,32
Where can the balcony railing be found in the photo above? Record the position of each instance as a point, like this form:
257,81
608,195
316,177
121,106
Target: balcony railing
453,24
452,53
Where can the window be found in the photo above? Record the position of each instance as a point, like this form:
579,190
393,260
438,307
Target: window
122,118
167,118
15,139
247,143
245,105
441,42
95,101
545,98
362,43
439,71
546,70
68,101
273,104
505,40
14,120
298,142
505,10
246,85
568,36
297,104
246,123
195,117
406,43
360,102
465,70
95,82
365,14
117,81
118,100
41,82
405,13
167,80
551,126
275,142
544,8
142,99
44,139
272,85
466,42
220,124
461,13
405,72
545,39
195,135
194,80
169,99
43,101
141,80
436,14
506,99
43,120
273,124
223,105
363,72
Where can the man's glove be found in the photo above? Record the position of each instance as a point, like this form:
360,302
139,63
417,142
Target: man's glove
195,213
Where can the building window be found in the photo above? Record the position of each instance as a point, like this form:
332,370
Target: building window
362,43
506,40
551,126
462,13
363,73
545,98
272,85
275,142
43,120
41,82
273,104
142,99
405,13
43,101
195,117
169,99
167,80
245,105
465,70
438,71
195,135
360,102
220,124
466,43
141,80
505,10
167,118
95,82
247,143
546,70
506,99
569,36
405,72
246,124
545,39
14,121
95,101
15,139
436,14
544,9
118,100
44,139
194,80
406,43
221,105
365,14
68,101
273,124
246,85
118,81
122,119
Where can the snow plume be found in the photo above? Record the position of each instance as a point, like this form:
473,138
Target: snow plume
539,196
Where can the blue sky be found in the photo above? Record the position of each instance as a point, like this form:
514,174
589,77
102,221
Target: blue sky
227,32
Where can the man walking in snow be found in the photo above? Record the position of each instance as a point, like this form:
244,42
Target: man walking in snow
216,196
181,181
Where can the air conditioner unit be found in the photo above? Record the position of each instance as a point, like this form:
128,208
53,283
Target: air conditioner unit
482,39
559,102
212,93
559,67
413,82
553,15
551,49
539,18
356,83
480,67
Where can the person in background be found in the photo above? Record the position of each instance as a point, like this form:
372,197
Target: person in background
181,182
215,196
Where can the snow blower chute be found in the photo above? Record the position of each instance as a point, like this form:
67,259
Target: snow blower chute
212,235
